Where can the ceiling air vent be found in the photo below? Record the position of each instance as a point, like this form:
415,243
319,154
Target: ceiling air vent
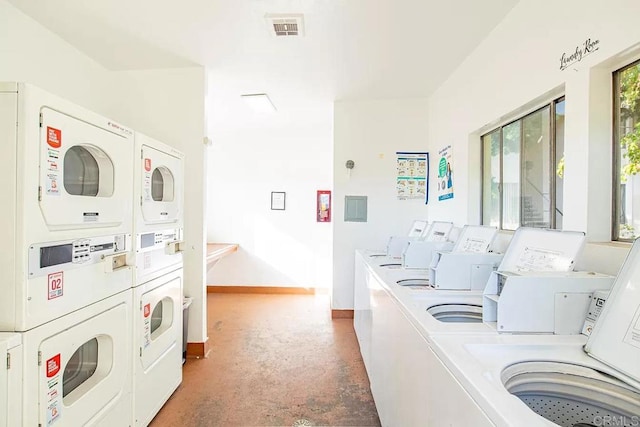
285,25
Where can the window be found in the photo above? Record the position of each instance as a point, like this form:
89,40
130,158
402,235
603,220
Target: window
626,141
522,170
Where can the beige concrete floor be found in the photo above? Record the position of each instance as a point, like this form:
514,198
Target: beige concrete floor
276,360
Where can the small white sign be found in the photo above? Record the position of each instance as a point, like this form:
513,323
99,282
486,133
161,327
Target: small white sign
55,285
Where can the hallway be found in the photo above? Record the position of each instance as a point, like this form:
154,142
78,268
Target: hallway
275,360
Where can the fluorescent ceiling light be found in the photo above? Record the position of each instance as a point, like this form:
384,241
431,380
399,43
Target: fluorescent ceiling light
259,102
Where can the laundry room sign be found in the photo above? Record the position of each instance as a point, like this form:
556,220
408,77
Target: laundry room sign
413,175
54,389
54,142
580,52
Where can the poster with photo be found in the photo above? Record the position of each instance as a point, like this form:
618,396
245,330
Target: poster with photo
412,176
445,174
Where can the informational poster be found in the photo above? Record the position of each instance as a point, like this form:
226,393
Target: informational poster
445,174
413,176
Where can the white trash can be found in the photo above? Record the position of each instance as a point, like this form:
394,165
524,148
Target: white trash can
186,303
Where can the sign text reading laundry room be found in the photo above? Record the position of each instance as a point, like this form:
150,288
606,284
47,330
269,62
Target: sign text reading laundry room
586,48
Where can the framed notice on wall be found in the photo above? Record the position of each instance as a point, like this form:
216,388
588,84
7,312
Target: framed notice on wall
278,200
412,181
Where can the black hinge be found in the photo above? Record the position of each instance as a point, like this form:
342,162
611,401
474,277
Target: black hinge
41,120
39,358
8,360
39,193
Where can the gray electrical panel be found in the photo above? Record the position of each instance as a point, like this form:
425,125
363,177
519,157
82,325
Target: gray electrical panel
355,208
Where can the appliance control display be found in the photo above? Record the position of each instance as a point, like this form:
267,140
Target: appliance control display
157,239
45,258
55,255
147,240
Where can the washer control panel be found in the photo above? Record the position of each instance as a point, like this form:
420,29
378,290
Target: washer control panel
45,258
595,308
157,239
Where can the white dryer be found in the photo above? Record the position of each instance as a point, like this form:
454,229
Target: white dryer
157,361
77,369
159,217
67,196
158,287
10,379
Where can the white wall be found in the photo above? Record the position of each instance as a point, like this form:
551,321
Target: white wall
30,53
289,151
370,133
168,105
513,70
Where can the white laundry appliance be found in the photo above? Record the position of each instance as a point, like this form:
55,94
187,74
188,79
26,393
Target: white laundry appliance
159,208
77,368
396,244
396,326
158,287
545,256
469,264
556,380
411,252
67,199
10,380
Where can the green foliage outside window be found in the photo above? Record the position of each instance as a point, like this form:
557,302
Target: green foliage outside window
630,109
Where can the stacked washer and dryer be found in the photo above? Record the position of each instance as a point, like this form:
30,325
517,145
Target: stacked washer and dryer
158,289
67,309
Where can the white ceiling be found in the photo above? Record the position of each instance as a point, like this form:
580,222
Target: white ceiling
352,49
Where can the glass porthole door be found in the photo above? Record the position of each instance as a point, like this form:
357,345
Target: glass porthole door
161,186
161,323
84,368
83,171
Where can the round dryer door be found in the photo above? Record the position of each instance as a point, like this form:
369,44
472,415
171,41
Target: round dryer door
161,183
84,174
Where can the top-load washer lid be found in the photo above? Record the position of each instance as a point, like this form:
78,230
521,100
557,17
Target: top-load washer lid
418,228
615,339
475,238
536,249
438,231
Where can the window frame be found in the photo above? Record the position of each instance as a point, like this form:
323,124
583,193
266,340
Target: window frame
552,105
617,153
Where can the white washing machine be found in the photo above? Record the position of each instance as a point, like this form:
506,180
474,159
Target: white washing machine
158,287
157,361
547,256
559,380
10,380
67,195
77,368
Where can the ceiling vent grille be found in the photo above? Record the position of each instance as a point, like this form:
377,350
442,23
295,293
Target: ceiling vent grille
285,25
